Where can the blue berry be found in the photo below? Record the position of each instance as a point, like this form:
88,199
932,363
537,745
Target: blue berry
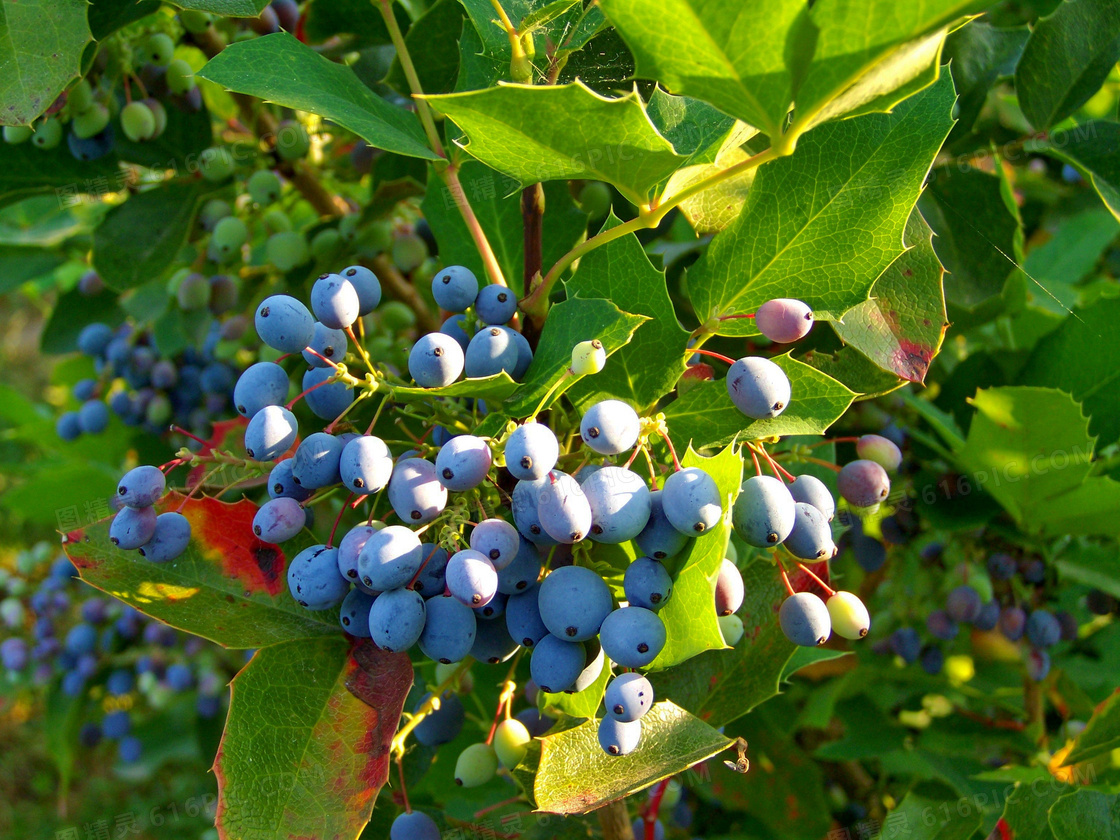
632,636
691,501
349,549
863,483
396,619
453,327
435,360
573,602
531,450
563,508
523,617
495,305
270,433
906,643
491,351
492,643
647,583
170,538
811,537
141,487
455,288
93,417
764,512
367,286
628,697
328,343
610,427
317,461
390,558
964,604
282,485
620,505
941,626
442,725
415,492
1043,629
132,527
523,572
278,520
449,630
335,301
463,462
497,541
471,577
812,491
556,664
284,324
366,465
659,539
314,580
618,738
94,339
68,427
758,387
432,579
805,620
414,826
326,401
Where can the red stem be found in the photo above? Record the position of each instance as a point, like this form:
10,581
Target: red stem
733,317
757,466
813,575
170,465
672,451
419,571
785,579
713,354
650,815
776,467
330,541
183,431
404,788
299,397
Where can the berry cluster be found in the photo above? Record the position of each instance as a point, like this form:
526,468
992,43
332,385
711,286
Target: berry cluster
58,629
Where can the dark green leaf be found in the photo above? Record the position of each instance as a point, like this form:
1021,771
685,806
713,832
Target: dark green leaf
978,234
228,586
429,37
871,55
649,366
1092,149
1028,805
561,132
27,170
278,68
325,19
575,776
141,237
820,226
979,55
706,416
107,16
1101,735
930,811
1086,813
548,26
568,324
1067,58
854,371
306,746
900,327
41,44
21,263
744,58
691,625
1093,565
1082,358
496,202
186,135
225,8
721,685
1058,264
63,716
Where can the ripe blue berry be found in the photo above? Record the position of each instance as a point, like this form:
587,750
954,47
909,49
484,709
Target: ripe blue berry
812,491
313,578
647,583
563,508
573,602
390,558
620,506
463,462
691,501
763,514
449,629
455,288
531,451
170,538
618,738
811,538
365,465
284,324
435,360
632,636
415,492
367,286
141,487
758,387
805,620
396,619
495,305
659,539
491,351
610,427
279,520
628,697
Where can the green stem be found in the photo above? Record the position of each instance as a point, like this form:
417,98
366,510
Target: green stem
422,110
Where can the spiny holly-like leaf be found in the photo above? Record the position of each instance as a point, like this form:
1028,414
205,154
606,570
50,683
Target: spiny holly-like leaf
1100,735
854,371
1086,813
567,772
901,326
742,58
691,625
278,68
1079,358
973,223
1067,58
225,8
717,207
649,366
536,133
41,44
696,129
822,225
496,202
705,416
428,36
107,16
496,387
26,170
721,685
979,55
569,323
1092,149
547,27
306,745
1030,449
228,586
869,55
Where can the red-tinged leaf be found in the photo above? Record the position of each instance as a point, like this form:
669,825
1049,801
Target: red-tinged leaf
901,326
306,745
227,435
228,586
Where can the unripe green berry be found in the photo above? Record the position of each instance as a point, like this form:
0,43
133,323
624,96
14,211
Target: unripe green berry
396,316
477,765
731,628
213,211
277,221
48,135
409,251
511,741
80,97
159,49
292,141
849,615
159,113
228,237
16,134
179,77
193,292
90,122
595,199
216,164
138,122
588,357
264,187
286,250
326,243
194,22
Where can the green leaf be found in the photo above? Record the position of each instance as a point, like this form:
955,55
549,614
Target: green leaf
41,44
107,16
1086,813
278,68
1091,564
1092,149
140,238
306,745
186,135
21,263
820,226
742,58
867,54
691,625
61,721
649,366
548,26
979,55
496,202
1028,805
26,170
1100,736
854,371
574,775
1066,60
496,388
978,235
228,587
715,208
225,8
1080,359
935,799
1061,262
1030,448
74,311
427,37
325,19
721,685
562,132
705,416
901,326
569,323
579,704
696,129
